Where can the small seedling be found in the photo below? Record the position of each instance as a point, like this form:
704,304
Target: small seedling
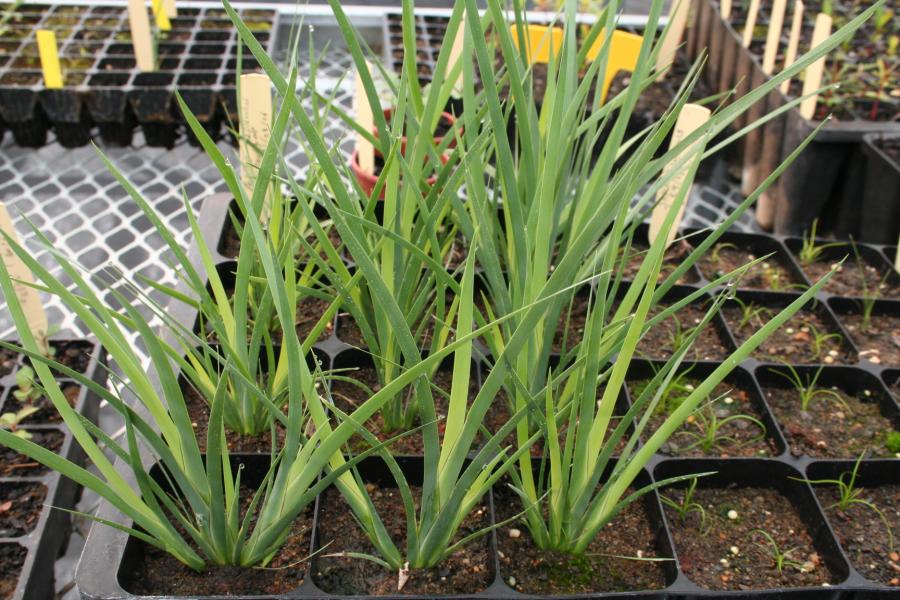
809,390
750,312
679,334
11,421
869,294
714,255
818,340
709,431
674,393
781,558
811,251
850,495
892,442
687,504
27,389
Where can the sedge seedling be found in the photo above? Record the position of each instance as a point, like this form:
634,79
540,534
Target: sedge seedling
819,340
807,388
780,557
811,250
709,436
687,504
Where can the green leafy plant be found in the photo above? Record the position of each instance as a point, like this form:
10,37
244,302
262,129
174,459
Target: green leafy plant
27,390
781,558
807,388
892,441
687,504
11,421
811,250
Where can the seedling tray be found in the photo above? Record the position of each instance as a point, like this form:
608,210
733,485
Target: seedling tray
37,548
103,87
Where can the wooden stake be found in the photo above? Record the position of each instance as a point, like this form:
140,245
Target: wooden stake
813,78
364,149
456,51
28,297
140,35
773,40
256,127
793,42
897,260
170,8
752,13
46,41
161,16
726,9
678,14
692,117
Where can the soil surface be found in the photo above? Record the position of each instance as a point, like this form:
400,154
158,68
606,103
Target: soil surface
773,275
880,342
13,464
828,429
672,259
850,280
531,570
863,534
8,360
198,411
660,341
230,244
731,554
348,396
467,571
75,355
794,342
739,437
12,559
156,572
20,507
47,413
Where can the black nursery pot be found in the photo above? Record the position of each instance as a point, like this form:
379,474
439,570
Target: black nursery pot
881,193
28,556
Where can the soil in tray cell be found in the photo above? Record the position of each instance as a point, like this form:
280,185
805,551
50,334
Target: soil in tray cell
230,246
156,572
466,571
673,258
851,281
863,534
726,424
13,464
602,568
20,507
879,340
663,339
75,355
807,338
46,413
728,551
348,395
831,428
8,360
772,275
12,559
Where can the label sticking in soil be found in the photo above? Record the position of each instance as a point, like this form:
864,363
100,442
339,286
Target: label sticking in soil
364,151
161,16
139,24
624,50
774,37
542,42
813,79
793,42
692,116
21,276
752,12
170,8
726,9
456,51
256,124
678,14
46,41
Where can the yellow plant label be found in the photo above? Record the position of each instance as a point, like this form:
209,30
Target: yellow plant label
773,39
752,12
542,42
813,79
255,128
139,23
46,41
691,118
366,120
28,297
161,16
678,14
726,9
624,50
790,54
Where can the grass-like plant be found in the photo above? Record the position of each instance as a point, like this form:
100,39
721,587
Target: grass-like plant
810,249
708,434
819,340
751,313
687,504
781,557
807,388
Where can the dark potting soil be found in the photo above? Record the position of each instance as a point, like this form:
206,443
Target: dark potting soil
771,275
47,413
465,572
660,341
794,342
348,396
850,280
75,355
731,554
652,102
198,411
157,572
570,330
20,507
673,258
740,437
8,360
12,559
603,567
231,243
13,464
880,342
861,532
828,429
